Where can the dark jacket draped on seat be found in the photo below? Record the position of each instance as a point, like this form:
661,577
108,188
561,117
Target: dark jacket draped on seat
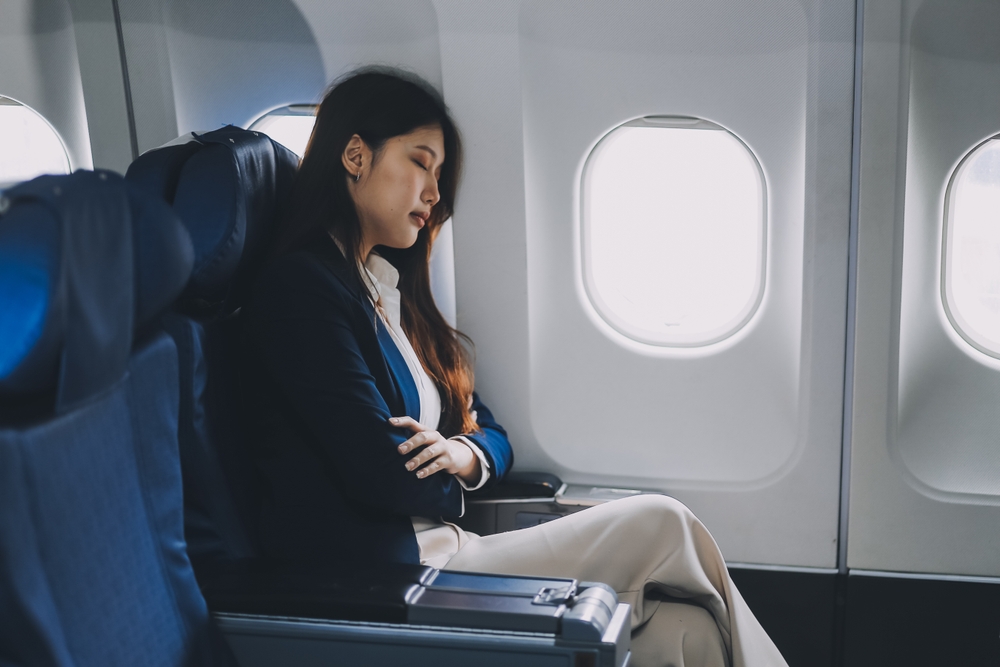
322,378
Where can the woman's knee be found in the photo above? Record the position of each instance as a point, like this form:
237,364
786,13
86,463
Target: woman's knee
667,504
657,513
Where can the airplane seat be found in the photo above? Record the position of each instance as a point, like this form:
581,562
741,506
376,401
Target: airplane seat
227,187
93,569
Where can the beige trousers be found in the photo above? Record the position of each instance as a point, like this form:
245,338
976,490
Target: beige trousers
660,559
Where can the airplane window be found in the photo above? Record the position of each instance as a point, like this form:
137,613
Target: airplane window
673,218
290,126
29,147
971,257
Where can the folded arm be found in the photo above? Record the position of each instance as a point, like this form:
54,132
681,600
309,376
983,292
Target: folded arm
304,330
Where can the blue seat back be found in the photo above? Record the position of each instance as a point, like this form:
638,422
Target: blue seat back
93,567
228,187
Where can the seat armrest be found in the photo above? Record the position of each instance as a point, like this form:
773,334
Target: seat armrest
522,485
334,591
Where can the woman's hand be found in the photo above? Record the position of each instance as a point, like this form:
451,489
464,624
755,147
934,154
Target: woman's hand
437,452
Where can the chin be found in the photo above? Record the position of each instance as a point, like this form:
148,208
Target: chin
403,243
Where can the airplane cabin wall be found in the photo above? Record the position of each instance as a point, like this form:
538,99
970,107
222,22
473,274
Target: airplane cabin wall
195,66
508,72
40,68
747,431
925,473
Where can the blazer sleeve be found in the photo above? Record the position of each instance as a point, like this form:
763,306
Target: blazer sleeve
492,439
301,331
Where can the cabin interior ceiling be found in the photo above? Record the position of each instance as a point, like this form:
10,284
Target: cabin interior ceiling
748,431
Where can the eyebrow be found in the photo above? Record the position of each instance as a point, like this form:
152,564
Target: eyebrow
429,150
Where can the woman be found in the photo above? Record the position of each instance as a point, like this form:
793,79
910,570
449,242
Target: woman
369,431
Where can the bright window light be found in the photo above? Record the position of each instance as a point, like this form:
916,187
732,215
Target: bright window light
673,213
29,147
971,265
290,126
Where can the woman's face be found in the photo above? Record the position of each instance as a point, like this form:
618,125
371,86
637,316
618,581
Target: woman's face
395,194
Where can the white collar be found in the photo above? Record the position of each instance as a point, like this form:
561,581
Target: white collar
382,271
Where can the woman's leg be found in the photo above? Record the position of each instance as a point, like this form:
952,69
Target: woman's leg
636,545
678,634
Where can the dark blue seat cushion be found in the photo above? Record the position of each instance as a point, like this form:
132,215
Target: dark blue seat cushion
221,489
93,563
29,257
86,262
93,569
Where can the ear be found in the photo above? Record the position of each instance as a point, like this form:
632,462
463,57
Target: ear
356,156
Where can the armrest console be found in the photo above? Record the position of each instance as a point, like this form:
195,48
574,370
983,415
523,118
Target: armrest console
525,499
388,614
377,593
522,485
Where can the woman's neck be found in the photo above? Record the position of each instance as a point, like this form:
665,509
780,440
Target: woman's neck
365,248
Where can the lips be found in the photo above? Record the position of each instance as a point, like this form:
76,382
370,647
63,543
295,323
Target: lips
420,218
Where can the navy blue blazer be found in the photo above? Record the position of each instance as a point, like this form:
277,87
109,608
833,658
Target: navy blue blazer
322,377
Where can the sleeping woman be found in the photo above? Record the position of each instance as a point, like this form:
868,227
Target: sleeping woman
367,426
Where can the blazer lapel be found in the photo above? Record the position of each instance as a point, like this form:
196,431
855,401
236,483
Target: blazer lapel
406,387
405,383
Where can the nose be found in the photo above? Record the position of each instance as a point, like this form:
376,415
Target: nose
431,193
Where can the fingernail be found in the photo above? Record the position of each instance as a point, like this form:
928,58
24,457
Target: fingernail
394,420
409,466
402,449
421,473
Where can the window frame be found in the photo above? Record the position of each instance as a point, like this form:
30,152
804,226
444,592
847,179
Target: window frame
6,100
955,319
594,300
286,110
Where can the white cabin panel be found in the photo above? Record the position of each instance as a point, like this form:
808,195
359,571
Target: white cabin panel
480,55
747,431
925,464
40,68
197,66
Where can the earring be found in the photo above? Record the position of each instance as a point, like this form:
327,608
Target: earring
357,176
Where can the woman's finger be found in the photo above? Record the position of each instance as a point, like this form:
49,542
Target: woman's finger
419,440
432,468
413,425
407,422
423,457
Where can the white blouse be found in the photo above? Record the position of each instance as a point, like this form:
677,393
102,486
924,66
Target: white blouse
437,540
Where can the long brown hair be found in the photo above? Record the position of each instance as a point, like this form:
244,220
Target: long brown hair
378,104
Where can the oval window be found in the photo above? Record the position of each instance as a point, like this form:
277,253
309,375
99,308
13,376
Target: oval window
29,146
971,253
290,126
673,231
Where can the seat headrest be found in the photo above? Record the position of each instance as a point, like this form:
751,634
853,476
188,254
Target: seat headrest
228,186
85,261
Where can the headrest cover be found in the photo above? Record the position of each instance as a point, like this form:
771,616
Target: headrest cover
95,261
29,261
228,186
159,175
164,255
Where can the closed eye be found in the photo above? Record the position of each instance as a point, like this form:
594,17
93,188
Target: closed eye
420,164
